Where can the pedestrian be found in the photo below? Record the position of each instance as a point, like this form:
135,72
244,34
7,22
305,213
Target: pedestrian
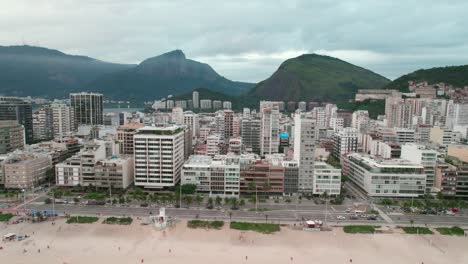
246,257
170,251
142,260
48,247
39,250
292,258
119,248
350,260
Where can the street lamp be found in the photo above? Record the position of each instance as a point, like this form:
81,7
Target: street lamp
24,200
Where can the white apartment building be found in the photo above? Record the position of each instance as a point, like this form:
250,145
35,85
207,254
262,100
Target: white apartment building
212,144
405,135
302,106
178,115
269,128
191,121
159,156
360,120
424,156
227,105
196,99
218,176
304,146
337,123
326,179
320,117
457,115
345,141
205,104
385,178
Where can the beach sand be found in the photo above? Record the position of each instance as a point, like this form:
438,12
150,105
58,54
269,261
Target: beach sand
100,243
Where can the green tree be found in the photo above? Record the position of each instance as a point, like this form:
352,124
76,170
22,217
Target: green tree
234,203
266,187
227,200
218,201
186,188
242,202
188,199
198,199
209,203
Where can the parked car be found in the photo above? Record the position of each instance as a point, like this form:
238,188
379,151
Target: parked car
348,210
354,217
340,217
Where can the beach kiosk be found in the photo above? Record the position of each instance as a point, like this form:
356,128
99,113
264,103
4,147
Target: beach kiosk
311,225
161,221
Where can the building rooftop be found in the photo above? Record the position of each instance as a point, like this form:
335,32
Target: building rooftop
377,162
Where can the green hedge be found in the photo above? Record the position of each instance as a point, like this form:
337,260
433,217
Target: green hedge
417,230
118,221
258,227
82,220
359,229
5,217
205,224
451,231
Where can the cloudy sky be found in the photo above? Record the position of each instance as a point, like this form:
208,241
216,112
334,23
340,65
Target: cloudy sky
247,40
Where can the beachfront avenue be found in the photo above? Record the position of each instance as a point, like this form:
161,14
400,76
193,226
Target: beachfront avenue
277,213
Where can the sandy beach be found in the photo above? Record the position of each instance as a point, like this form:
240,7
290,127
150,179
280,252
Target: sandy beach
100,243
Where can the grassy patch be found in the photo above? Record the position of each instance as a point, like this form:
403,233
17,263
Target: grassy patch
258,227
417,230
82,219
205,224
95,196
5,217
118,221
359,229
451,231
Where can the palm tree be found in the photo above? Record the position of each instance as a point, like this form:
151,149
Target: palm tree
209,203
188,200
198,199
218,201
234,203
266,187
253,186
242,202
227,200
230,216
266,218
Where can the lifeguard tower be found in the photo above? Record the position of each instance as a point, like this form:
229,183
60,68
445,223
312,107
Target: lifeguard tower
162,221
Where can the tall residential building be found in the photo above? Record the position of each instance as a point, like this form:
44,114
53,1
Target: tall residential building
125,135
12,108
205,104
159,156
360,120
385,178
87,108
212,144
457,115
11,136
269,138
43,126
345,141
196,99
63,120
251,134
228,124
25,171
178,115
191,120
420,154
304,146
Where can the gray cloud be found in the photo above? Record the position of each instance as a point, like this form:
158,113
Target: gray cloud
247,40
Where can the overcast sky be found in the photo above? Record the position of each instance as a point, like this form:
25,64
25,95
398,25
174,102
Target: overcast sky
247,40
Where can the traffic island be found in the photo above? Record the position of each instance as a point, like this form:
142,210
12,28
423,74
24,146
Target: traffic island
263,228
205,224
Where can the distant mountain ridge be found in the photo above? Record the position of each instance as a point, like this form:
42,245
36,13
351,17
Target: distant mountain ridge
312,77
36,71
454,75
166,74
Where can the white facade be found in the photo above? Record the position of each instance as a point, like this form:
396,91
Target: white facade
227,105
205,104
360,120
196,99
419,154
212,144
304,146
386,178
159,156
326,179
345,141
219,176
191,120
178,115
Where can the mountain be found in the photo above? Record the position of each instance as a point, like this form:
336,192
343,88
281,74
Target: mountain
36,71
166,74
312,77
454,75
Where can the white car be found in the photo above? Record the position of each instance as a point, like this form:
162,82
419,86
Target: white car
348,210
340,217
